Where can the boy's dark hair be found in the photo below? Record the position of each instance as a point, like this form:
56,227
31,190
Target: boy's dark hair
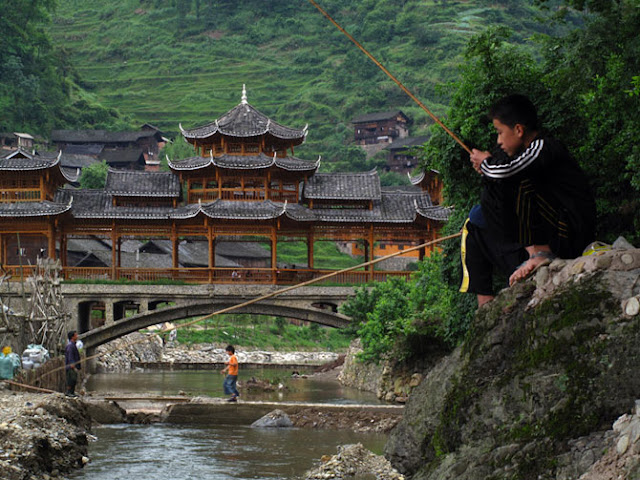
71,334
230,349
514,109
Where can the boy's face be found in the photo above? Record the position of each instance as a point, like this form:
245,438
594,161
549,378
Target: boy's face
229,352
510,139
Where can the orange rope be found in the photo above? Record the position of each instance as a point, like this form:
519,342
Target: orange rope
392,77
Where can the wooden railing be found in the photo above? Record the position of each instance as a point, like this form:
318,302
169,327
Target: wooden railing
216,275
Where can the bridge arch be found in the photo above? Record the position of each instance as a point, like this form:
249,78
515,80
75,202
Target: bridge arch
106,333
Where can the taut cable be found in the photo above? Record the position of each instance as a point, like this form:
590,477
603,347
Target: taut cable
392,77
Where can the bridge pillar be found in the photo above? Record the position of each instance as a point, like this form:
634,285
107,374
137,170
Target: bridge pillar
90,365
108,313
143,305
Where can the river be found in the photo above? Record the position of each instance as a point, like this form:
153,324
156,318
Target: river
163,451
309,389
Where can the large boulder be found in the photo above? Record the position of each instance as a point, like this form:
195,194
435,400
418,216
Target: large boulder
545,370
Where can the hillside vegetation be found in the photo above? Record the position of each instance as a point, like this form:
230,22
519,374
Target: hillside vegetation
167,62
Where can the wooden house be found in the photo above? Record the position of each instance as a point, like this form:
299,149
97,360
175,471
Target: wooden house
134,150
380,127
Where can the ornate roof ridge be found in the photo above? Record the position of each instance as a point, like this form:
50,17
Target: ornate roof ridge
244,120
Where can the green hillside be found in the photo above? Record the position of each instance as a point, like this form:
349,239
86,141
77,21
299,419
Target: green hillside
181,61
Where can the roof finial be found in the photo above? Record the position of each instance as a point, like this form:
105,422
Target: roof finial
244,94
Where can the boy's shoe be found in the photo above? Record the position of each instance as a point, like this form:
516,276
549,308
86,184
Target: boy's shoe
233,399
72,395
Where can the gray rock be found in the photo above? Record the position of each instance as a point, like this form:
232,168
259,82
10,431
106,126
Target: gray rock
274,419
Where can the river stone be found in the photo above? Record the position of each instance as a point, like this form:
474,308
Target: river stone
274,419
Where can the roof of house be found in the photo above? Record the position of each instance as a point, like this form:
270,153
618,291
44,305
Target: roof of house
378,116
122,156
343,186
131,183
32,209
245,162
406,143
244,120
100,136
93,149
21,160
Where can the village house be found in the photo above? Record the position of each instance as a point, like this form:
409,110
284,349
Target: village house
134,150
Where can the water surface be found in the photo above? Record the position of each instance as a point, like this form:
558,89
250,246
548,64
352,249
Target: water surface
163,451
209,383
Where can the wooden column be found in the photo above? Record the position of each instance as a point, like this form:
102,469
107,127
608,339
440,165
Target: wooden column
114,258
51,240
212,251
274,255
310,243
371,252
174,246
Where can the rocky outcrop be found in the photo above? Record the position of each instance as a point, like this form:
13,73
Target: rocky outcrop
388,380
547,368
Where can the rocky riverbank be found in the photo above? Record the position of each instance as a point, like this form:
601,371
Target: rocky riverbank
533,392
42,436
124,353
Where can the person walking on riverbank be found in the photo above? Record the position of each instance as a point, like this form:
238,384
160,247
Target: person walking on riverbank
72,363
231,370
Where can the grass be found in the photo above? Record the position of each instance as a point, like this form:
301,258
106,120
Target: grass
268,333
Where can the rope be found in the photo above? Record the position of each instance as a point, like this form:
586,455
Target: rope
270,295
392,77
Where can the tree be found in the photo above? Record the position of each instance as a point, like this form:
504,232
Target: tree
94,176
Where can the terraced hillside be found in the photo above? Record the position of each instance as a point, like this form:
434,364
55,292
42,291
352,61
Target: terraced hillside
182,61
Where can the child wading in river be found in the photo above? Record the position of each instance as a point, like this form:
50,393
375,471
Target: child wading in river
231,370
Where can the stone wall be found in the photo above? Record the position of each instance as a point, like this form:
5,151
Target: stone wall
389,383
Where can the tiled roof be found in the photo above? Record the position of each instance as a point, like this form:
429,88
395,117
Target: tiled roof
399,207
99,136
92,149
142,184
33,209
122,155
20,160
343,186
406,143
436,212
377,116
244,120
228,209
77,160
245,162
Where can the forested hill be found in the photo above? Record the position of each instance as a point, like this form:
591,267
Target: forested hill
167,62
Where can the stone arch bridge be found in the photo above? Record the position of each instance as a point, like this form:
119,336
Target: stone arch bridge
153,304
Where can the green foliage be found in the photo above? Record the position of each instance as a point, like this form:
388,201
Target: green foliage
94,176
37,83
402,319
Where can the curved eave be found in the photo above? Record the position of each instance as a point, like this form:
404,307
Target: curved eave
33,209
252,211
263,162
436,213
417,179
